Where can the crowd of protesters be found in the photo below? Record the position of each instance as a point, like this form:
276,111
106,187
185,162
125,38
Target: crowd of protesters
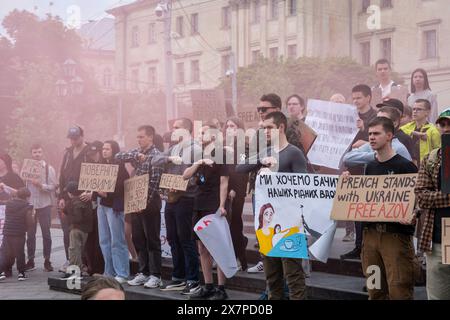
393,138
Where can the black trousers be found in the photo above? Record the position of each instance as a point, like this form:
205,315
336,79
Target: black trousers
92,254
13,249
237,229
146,229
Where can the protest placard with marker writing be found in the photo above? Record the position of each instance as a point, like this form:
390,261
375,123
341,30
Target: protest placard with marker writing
31,170
136,193
98,177
445,241
388,198
172,181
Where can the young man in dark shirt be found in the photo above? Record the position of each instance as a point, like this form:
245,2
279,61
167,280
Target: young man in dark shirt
388,245
281,157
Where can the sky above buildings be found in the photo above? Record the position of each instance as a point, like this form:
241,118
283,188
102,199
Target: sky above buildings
66,9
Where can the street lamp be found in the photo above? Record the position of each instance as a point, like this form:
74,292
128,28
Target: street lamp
70,84
164,10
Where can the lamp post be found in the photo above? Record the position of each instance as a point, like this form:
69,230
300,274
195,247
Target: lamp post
164,10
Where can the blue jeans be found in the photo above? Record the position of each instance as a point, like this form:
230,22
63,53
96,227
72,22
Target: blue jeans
179,227
111,232
43,216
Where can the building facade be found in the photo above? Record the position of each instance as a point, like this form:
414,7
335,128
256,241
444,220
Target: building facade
206,33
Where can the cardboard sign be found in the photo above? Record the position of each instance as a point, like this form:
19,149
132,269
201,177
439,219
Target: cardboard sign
445,165
288,207
98,177
397,92
172,181
136,193
445,243
208,104
388,198
248,114
2,221
31,169
336,127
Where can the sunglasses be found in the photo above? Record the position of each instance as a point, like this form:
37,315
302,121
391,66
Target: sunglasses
262,109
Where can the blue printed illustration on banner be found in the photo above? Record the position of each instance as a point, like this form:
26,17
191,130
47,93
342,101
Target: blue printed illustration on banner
294,246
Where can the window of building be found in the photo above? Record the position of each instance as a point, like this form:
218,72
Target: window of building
152,77
134,37
292,51
431,51
107,78
256,55
292,7
179,26
273,53
386,49
194,23
226,17
386,4
195,71
256,11
365,53
365,5
274,9
152,33
226,64
180,73
135,79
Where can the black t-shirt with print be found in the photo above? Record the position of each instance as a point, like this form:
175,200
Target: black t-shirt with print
396,165
208,181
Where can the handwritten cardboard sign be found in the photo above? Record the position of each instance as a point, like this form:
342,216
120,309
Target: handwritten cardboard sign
136,193
172,181
31,169
208,104
98,177
445,243
387,198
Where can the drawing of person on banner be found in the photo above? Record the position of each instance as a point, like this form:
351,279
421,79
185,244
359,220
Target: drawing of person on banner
269,236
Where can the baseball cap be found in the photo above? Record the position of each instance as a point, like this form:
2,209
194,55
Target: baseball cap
393,103
74,133
444,115
95,146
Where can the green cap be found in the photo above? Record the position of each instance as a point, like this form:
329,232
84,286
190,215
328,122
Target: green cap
444,115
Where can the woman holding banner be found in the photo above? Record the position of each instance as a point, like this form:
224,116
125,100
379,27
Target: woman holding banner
111,220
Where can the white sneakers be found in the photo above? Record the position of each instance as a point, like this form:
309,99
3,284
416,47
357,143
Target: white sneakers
120,279
139,280
256,269
64,267
153,282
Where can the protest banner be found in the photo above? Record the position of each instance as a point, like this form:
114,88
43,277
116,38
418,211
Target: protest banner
172,181
208,104
445,165
98,177
31,169
335,125
2,222
397,92
288,207
445,241
388,198
165,247
136,193
248,114
214,232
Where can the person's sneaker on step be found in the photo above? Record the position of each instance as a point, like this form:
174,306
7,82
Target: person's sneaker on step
120,280
256,269
21,277
191,288
153,282
30,266
138,280
204,293
219,294
63,268
2,276
355,254
349,237
48,266
174,285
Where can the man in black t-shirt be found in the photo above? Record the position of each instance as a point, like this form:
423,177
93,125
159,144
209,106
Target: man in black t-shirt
211,175
388,245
